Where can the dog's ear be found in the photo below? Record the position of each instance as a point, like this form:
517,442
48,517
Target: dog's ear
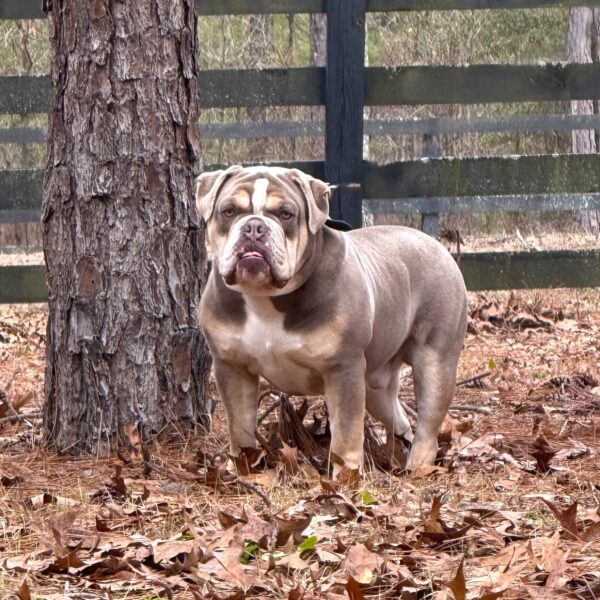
316,193
208,186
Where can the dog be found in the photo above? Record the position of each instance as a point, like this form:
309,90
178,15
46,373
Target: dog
317,311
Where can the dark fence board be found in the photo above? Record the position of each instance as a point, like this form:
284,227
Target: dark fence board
316,168
20,189
245,7
344,107
481,83
22,94
372,127
265,87
445,126
20,216
23,135
23,283
519,270
484,204
446,177
413,5
384,86
21,9
31,9
434,185
218,88
482,271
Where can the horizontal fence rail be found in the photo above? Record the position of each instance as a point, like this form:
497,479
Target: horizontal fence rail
442,177
485,204
523,183
32,9
528,270
305,86
23,284
481,270
372,127
478,84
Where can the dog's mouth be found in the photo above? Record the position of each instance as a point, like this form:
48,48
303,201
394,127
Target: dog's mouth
252,254
253,268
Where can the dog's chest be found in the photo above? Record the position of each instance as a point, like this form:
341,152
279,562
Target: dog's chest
280,356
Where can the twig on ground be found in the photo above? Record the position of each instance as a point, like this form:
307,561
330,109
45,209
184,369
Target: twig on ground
254,489
265,394
270,409
154,580
484,410
15,418
472,379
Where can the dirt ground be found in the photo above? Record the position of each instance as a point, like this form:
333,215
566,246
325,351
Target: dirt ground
512,510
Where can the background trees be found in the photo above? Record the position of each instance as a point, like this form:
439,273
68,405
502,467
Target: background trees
515,36
584,37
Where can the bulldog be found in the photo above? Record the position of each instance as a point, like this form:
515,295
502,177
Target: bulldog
316,311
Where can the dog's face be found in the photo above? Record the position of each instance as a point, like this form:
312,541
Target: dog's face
260,221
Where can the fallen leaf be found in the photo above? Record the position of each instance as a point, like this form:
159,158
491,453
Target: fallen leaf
169,550
354,590
24,593
458,585
289,458
360,563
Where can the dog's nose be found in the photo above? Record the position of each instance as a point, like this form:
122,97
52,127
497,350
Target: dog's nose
254,229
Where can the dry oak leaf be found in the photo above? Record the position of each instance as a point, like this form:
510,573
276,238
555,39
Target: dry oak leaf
568,520
293,528
294,562
255,528
166,551
543,454
555,562
457,584
354,590
360,563
289,458
24,593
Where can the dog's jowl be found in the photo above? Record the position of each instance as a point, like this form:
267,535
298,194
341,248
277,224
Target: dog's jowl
318,311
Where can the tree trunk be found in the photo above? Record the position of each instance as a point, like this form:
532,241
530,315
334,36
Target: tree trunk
260,33
318,56
123,245
318,39
583,48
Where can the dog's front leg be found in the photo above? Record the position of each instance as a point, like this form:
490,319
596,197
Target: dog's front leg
238,389
345,399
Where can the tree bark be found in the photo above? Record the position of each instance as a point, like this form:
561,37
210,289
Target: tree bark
123,245
583,43
318,39
260,32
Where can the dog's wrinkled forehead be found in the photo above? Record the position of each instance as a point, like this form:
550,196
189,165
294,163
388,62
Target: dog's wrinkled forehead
257,185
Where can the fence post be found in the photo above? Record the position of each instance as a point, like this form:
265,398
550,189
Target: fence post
344,103
430,222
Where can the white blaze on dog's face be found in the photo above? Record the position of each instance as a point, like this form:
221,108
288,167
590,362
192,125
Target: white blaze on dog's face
260,221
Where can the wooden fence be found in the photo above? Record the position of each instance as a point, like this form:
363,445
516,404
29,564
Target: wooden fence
345,86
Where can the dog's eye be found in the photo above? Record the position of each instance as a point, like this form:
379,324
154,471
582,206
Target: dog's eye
286,215
228,212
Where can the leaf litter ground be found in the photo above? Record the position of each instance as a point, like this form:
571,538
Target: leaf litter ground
510,511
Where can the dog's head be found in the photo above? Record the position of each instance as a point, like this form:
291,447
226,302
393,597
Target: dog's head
260,223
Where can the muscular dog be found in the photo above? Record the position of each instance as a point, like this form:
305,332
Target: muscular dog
317,311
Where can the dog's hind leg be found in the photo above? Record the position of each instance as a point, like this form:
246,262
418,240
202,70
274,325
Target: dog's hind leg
383,404
434,374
